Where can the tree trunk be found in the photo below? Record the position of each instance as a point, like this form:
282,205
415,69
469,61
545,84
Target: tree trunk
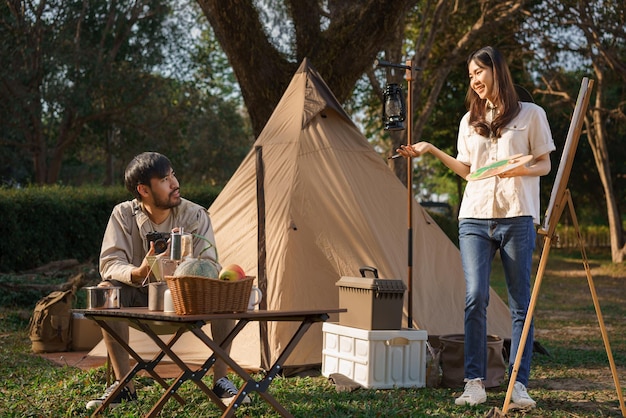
597,139
69,130
341,51
40,151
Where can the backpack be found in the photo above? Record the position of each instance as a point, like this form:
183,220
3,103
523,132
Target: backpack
50,326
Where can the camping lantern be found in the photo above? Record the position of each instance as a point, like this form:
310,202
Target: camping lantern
394,108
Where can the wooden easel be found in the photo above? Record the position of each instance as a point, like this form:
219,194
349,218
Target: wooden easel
560,197
540,272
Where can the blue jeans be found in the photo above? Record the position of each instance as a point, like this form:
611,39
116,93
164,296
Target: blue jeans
479,239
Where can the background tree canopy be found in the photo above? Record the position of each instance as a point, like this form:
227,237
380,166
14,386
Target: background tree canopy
87,85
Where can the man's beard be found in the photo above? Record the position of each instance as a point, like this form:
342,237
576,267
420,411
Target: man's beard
167,203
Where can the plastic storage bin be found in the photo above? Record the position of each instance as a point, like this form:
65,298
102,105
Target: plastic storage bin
375,359
372,303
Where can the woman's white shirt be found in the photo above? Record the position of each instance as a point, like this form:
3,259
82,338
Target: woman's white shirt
527,134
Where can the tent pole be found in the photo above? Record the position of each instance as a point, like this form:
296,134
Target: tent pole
409,188
261,255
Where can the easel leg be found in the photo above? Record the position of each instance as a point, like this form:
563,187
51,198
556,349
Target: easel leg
540,272
529,317
596,304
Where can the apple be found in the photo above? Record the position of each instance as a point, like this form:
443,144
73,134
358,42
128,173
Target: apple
232,272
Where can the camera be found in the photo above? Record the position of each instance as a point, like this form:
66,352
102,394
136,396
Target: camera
160,240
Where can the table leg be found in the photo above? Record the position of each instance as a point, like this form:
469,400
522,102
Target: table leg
252,385
219,351
277,367
186,373
195,376
149,366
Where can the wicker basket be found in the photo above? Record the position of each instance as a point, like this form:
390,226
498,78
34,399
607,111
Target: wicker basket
198,295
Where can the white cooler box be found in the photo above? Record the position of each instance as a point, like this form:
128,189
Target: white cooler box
379,359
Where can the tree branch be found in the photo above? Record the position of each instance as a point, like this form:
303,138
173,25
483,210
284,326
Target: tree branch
263,72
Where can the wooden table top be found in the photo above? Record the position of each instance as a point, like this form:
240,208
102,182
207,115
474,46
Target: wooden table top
256,315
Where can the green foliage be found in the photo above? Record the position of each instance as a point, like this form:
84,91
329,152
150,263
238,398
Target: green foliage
24,293
214,73
52,223
94,84
58,222
202,194
448,224
71,66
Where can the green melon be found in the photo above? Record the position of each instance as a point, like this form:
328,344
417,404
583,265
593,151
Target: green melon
202,267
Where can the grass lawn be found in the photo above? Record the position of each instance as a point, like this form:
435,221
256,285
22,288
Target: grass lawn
573,381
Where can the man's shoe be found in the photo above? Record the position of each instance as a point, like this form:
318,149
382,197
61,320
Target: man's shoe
521,398
124,396
474,393
227,391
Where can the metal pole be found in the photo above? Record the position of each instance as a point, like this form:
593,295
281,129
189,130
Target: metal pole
409,187
408,67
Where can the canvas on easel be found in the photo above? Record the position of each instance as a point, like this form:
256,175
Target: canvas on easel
560,197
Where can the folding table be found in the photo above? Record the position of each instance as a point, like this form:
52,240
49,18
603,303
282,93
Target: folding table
155,323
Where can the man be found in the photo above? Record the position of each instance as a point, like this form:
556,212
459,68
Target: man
157,207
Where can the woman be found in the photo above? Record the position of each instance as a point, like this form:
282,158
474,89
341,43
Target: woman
497,213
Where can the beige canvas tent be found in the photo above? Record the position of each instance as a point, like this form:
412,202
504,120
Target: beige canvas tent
312,202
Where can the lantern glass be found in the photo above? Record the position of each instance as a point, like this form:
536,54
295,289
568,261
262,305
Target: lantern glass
394,108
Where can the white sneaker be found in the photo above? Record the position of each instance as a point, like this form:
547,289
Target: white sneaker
520,397
474,393
124,396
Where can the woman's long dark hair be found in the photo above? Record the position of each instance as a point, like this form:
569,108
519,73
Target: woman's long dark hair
505,98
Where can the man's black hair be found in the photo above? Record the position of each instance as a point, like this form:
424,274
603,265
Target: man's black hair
143,168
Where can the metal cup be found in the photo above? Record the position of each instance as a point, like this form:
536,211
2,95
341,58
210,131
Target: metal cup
103,297
176,246
155,296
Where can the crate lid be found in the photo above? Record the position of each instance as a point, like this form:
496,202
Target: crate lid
374,284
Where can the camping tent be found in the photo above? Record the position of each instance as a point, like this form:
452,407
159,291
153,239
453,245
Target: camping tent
312,202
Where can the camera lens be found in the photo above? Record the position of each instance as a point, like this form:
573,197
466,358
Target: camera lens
160,245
